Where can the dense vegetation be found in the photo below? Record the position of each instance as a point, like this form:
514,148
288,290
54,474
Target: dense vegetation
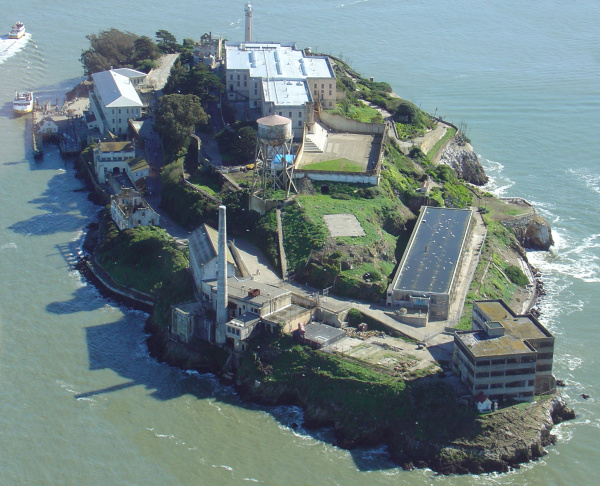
177,117
113,48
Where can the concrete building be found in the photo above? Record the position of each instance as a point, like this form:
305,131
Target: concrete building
208,50
112,157
48,126
114,101
129,210
504,355
277,78
203,244
137,78
426,277
185,321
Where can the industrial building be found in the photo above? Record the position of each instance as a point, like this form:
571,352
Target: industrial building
504,355
425,281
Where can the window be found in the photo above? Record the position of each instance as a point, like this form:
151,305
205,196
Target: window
330,85
322,86
329,92
245,82
231,77
290,115
300,114
119,111
238,83
238,76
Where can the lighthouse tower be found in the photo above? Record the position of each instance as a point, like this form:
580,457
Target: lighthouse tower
248,11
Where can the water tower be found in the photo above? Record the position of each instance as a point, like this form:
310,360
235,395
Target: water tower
274,161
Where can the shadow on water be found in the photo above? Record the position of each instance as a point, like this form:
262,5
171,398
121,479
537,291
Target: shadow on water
63,209
121,347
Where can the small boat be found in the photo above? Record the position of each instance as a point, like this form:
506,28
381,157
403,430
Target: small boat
23,102
17,31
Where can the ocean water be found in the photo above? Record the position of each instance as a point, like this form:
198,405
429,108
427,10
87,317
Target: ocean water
80,399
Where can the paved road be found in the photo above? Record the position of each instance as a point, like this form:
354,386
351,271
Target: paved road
157,78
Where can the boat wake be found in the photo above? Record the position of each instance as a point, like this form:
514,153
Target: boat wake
9,47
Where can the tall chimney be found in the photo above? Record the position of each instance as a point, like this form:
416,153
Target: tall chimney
248,11
222,297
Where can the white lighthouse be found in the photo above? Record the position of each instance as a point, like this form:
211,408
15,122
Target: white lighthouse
248,11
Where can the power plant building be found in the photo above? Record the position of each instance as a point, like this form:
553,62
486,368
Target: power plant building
427,274
504,355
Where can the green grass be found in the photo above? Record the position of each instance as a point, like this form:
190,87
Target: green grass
357,111
206,183
337,165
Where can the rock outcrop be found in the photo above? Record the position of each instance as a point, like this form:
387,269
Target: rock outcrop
465,163
532,231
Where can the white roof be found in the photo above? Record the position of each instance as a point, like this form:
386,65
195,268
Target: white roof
283,92
116,90
275,61
130,73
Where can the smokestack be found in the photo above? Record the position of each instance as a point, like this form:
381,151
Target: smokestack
248,11
222,297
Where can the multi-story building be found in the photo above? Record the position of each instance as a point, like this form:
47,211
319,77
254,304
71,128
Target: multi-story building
277,78
504,355
129,210
114,101
112,157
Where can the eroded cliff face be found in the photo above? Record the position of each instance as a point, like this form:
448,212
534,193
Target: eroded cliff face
532,231
465,163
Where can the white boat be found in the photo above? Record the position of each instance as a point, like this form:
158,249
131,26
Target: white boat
23,102
17,31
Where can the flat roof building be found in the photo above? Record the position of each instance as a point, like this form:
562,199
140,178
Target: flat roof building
428,270
504,355
278,78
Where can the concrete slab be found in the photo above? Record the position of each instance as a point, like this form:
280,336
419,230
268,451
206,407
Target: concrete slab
343,224
359,148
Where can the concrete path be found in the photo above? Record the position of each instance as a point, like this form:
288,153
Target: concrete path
157,78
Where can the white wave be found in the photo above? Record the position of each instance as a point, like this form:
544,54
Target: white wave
9,47
223,466
6,246
342,5
253,480
498,183
590,180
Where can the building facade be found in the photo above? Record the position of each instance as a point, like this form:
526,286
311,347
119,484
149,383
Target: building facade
130,210
277,78
504,355
114,101
112,157
208,50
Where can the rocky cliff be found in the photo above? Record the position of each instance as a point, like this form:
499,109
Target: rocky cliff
531,229
493,442
465,163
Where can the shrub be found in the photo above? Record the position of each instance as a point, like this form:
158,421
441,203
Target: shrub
516,275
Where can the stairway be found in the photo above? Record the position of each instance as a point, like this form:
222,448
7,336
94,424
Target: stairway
316,140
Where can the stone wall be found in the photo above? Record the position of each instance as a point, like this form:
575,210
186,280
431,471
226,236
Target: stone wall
342,124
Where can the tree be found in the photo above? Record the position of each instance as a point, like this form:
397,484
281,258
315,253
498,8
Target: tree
166,41
176,119
145,48
244,144
109,49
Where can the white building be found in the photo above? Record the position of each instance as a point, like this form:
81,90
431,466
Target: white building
129,210
204,244
48,126
137,78
277,78
114,101
112,157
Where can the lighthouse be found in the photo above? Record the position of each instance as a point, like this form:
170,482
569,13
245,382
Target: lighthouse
248,11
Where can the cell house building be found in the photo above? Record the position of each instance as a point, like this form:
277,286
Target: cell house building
427,274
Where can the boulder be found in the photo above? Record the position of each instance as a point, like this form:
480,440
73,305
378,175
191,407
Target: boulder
535,234
465,163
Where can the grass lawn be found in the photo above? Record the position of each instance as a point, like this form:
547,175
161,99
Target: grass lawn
362,113
338,165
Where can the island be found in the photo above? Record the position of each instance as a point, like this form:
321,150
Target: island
314,239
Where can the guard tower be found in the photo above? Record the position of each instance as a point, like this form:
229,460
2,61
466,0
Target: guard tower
248,11
274,161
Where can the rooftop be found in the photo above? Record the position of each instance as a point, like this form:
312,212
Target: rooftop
240,289
115,146
433,252
137,163
519,326
204,243
275,61
481,345
286,92
116,90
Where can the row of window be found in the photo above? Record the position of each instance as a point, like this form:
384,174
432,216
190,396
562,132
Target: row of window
519,371
511,384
